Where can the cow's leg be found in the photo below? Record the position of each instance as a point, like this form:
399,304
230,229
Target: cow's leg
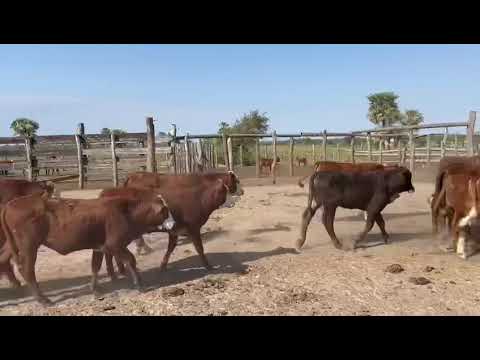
307,216
381,224
110,269
97,258
27,259
172,243
197,242
125,256
328,219
142,245
11,276
368,226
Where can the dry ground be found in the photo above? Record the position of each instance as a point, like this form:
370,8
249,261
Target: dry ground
259,274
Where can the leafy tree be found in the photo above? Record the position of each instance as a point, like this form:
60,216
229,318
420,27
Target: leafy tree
24,127
252,123
383,109
412,118
105,132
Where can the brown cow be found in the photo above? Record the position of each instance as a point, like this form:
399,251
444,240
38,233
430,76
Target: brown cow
190,207
158,181
106,225
457,164
268,164
11,189
459,197
302,160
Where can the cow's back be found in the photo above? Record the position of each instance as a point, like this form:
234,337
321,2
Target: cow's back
11,189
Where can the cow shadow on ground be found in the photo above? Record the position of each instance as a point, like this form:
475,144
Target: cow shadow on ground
388,216
373,240
275,228
178,272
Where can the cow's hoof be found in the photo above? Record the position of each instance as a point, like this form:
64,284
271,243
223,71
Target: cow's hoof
15,285
44,301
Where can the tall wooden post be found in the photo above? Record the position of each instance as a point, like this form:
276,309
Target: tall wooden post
313,153
274,165
352,149
470,133
173,152
338,152
79,161
230,154
28,153
400,152
215,156
428,149
456,144
380,149
291,155
114,160
265,152
442,149
369,146
151,163
324,145
412,152
257,157
240,155
187,155
225,151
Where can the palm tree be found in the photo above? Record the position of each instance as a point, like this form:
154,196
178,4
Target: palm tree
412,118
24,127
383,111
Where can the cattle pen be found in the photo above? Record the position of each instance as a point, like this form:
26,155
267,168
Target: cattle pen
104,158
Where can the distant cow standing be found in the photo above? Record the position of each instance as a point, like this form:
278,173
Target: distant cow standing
268,164
369,191
302,161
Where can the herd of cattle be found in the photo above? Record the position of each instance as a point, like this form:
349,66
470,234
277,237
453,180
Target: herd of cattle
179,205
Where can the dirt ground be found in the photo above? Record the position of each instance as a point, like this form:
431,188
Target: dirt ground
259,273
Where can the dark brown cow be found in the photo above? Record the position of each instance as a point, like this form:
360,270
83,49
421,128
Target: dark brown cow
340,166
459,197
454,164
106,225
370,191
159,181
302,161
190,207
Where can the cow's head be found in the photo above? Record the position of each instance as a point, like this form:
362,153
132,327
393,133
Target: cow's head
399,180
156,213
469,226
222,196
48,187
233,184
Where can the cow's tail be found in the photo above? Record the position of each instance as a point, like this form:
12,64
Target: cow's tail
8,234
306,216
437,200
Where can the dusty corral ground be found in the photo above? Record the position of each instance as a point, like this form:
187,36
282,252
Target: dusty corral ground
259,273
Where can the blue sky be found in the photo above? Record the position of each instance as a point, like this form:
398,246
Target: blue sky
300,87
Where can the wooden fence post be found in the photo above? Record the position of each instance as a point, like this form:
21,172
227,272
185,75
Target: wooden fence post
114,160
274,165
338,152
240,152
428,149
79,161
324,145
28,153
257,157
313,153
470,133
230,154
412,152
352,149
291,155
225,151
151,163
456,144
265,151
173,148
187,155
369,146
215,156
442,149
380,148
